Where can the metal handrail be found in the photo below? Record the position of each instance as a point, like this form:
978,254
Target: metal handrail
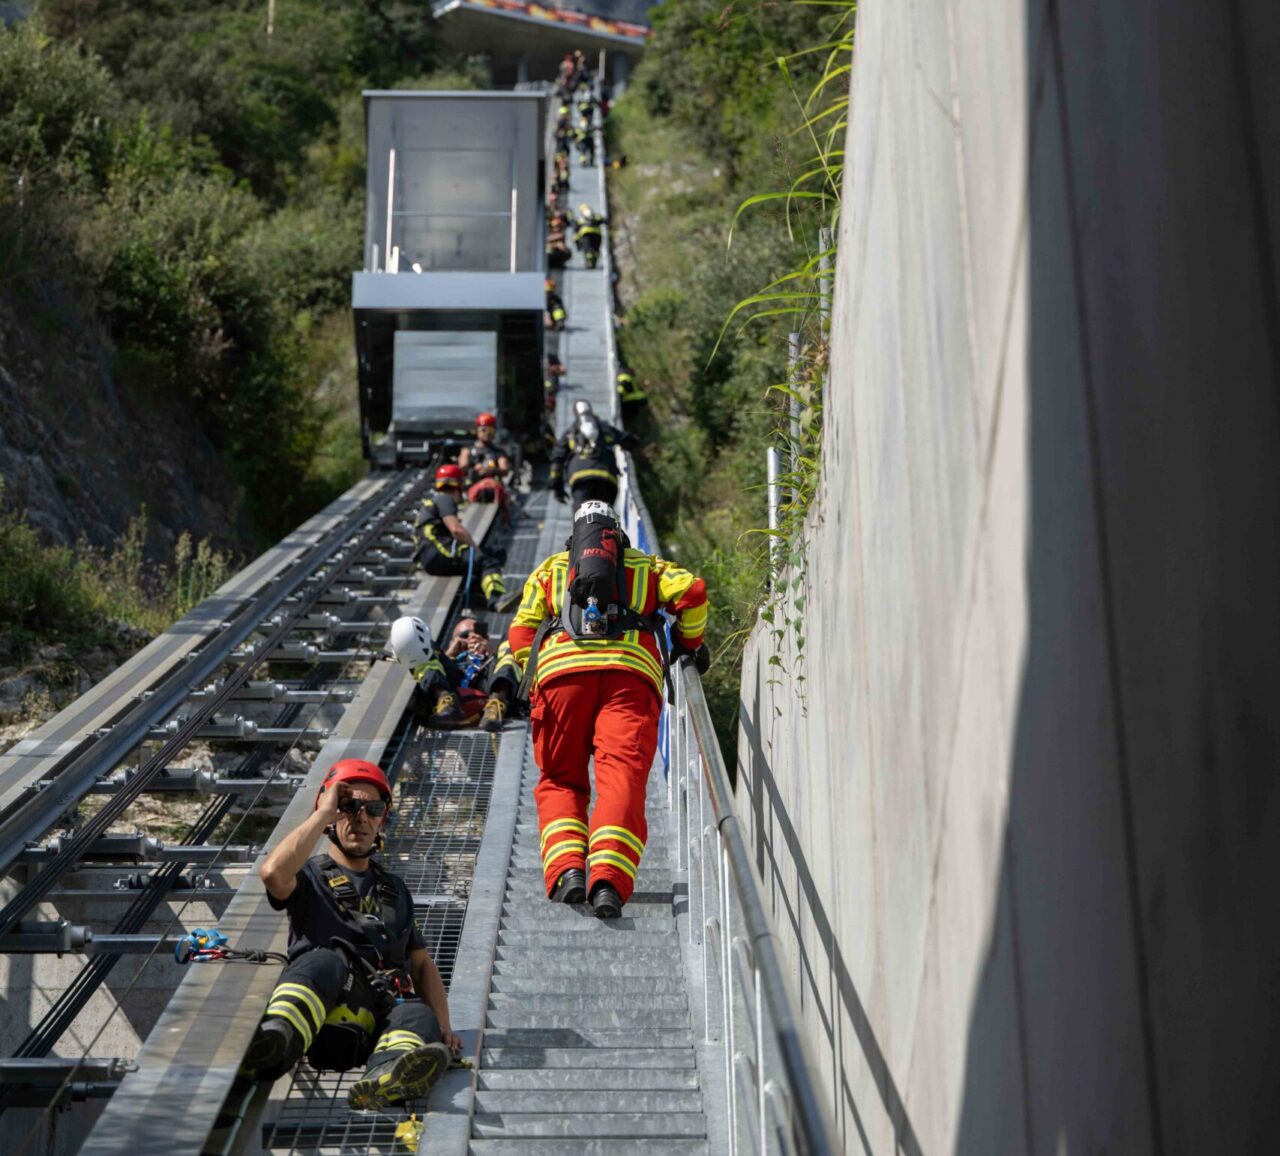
813,1130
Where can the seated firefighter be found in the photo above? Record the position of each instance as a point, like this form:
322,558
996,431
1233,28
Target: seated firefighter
451,687
445,545
360,987
488,466
584,458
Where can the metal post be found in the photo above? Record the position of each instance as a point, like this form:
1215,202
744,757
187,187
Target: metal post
773,470
391,200
824,282
755,973
793,359
726,995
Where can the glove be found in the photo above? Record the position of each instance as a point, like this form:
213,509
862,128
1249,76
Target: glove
557,488
700,658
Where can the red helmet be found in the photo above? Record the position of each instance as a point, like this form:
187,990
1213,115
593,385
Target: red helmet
355,771
486,419
449,475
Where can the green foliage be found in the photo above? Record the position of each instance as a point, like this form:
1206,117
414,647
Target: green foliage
198,186
64,594
711,68
53,105
722,138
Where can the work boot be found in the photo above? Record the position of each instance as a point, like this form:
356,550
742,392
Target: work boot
493,715
606,901
571,887
447,712
276,1046
407,1077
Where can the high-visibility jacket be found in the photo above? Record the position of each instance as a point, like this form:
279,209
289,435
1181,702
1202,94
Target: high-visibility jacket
653,583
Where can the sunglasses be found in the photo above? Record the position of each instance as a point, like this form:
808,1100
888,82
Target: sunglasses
376,808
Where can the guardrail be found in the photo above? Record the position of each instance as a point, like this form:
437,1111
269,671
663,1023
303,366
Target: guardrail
771,1101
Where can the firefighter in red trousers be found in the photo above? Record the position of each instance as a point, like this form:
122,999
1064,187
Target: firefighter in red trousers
591,644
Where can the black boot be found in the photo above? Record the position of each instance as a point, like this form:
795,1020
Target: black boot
402,1076
571,887
276,1046
606,901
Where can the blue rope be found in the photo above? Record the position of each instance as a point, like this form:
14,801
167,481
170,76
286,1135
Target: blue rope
471,561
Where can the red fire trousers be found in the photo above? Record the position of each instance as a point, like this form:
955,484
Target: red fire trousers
613,715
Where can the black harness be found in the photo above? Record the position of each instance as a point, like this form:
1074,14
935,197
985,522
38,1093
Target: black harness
388,979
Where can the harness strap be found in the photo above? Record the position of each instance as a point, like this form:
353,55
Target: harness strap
375,928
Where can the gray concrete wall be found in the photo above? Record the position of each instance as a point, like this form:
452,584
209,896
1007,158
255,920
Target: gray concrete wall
1021,832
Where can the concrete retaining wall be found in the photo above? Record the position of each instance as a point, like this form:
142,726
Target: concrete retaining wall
1021,832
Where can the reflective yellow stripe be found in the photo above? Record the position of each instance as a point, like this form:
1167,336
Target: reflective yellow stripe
635,659
362,1017
560,825
613,859
639,584
693,621
401,1037
313,1001
294,1015
580,475
559,576
622,835
562,849
557,849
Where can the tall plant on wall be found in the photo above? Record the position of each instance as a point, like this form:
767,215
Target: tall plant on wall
802,295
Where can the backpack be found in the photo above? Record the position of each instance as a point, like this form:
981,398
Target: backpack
596,603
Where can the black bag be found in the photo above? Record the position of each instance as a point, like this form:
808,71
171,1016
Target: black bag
596,594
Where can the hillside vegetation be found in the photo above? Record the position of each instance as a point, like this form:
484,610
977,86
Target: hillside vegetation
186,191
198,185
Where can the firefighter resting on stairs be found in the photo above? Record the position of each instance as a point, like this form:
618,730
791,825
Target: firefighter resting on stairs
445,545
488,466
592,645
584,458
455,687
360,986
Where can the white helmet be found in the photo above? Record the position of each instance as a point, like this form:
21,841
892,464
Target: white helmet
410,641
589,428
596,510
581,408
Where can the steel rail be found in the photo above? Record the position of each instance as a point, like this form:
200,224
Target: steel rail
71,778
35,889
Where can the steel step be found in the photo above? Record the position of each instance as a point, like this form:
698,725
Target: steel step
597,955
627,1125
616,1019
611,1146
602,935
585,984
589,1079
572,1101
558,964
587,1002
590,1038
516,1057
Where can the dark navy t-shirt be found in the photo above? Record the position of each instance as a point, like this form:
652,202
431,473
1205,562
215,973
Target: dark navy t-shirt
315,917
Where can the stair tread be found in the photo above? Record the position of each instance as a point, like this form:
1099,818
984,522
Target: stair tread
691,1125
